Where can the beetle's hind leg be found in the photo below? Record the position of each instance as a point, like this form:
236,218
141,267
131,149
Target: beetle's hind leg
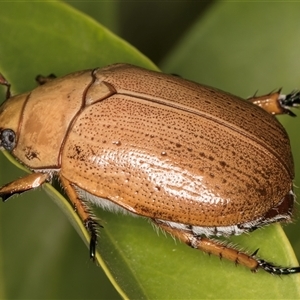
212,246
83,211
276,103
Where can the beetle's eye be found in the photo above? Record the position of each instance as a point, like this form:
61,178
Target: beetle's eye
8,139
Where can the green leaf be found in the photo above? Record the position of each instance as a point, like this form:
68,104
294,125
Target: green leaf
41,255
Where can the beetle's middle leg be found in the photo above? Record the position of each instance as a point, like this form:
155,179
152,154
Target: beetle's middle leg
83,212
222,250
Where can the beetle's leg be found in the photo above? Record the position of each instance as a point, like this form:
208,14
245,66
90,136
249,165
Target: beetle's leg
211,246
3,81
277,103
24,184
225,251
40,79
83,212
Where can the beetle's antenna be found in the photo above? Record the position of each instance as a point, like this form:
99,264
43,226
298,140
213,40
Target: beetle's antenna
3,81
40,79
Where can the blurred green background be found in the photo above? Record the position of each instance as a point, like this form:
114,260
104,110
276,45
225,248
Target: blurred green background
240,47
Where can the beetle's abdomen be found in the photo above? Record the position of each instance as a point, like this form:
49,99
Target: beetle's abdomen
172,163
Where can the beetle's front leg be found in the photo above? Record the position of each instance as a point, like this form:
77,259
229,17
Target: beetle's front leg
222,250
24,184
83,211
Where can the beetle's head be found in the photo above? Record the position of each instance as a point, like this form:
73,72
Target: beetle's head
10,116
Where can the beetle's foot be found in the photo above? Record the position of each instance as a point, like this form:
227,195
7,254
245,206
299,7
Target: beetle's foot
272,269
289,101
91,225
40,79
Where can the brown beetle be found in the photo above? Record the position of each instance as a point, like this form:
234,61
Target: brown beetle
195,160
